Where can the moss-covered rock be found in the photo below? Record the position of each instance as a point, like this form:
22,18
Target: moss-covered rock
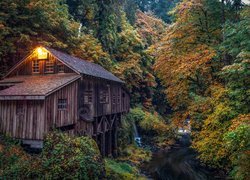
120,170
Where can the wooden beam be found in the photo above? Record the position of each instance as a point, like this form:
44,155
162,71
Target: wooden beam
114,139
103,142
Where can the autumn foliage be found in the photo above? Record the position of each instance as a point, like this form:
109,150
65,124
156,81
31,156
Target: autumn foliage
203,60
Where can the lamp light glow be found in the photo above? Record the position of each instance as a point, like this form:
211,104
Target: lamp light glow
42,53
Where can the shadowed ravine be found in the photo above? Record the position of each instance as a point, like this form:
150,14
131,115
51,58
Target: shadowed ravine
179,163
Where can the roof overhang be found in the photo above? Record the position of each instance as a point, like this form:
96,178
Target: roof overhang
25,96
38,97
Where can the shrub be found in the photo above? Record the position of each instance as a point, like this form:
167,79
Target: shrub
71,158
126,133
120,170
136,115
135,155
63,157
15,163
150,124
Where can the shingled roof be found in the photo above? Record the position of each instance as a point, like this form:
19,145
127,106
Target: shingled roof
34,87
83,66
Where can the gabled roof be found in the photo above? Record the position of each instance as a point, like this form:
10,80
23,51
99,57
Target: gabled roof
78,65
83,66
34,87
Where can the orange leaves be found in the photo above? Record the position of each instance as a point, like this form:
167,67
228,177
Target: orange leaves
241,119
182,53
149,27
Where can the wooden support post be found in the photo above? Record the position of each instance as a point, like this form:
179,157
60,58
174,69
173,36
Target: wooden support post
115,138
110,143
103,139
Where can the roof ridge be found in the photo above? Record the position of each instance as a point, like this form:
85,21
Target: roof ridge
83,66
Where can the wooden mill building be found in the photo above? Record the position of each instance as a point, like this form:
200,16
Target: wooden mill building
50,90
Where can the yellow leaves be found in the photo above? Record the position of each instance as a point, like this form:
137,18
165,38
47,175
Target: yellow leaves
218,93
90,49
181,53
149,27
133,63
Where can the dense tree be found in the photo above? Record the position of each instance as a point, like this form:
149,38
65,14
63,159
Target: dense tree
150,28
27,23
201,60
159,7
204,63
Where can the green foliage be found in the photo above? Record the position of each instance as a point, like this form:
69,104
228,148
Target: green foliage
203,60
135,155
126,134
120,170
84,11
15,163
89,48
25,24
136,115
67,157
158,7
152,125
62,157
238,142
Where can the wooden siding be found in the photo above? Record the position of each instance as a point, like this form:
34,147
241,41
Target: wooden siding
38,117
56,118
26,125
118,99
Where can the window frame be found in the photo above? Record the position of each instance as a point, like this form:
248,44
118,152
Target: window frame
88,97
104,95
35,66
62,104
118,100
114,99
60,67
50,66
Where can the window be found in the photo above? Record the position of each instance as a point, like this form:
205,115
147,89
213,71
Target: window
35,67
104,95
19,108
60,67
50,66
118,99
62,104
113,99
87,97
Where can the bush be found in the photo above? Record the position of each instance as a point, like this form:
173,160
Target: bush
15,163
135,155
150,124
136,115
63,157
120,170
71,158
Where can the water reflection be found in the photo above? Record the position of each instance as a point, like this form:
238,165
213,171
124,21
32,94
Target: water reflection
179,163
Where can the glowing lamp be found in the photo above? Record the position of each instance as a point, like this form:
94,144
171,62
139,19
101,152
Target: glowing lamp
42,53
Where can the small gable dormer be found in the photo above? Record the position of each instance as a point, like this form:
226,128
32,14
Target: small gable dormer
39,62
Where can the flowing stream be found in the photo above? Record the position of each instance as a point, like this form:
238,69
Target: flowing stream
137,138
179,163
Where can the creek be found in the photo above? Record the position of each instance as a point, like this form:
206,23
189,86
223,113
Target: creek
180,163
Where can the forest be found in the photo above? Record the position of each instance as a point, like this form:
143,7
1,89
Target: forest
180,59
